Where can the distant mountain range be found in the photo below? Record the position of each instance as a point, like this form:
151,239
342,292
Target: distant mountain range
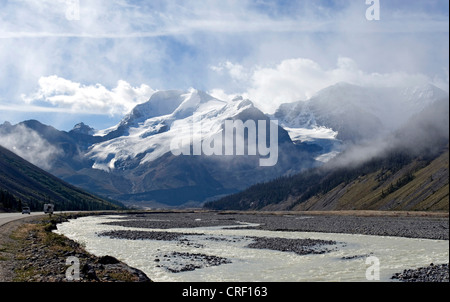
23,184
133,161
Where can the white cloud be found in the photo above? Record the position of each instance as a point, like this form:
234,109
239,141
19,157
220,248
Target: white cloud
125,18
236,71
299,79
171,44
89,99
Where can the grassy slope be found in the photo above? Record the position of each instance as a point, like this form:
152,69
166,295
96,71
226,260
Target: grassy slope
427,191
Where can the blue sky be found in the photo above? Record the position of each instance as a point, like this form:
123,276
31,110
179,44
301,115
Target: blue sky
62,70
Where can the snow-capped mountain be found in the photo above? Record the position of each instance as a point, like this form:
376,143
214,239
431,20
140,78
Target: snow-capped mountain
134,161
150,127
353,113
148,132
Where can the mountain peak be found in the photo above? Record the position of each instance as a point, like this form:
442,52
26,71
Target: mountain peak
427,91
160,103
245,103
192,100
177,103
82,128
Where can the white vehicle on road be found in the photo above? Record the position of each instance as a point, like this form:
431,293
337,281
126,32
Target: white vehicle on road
48,208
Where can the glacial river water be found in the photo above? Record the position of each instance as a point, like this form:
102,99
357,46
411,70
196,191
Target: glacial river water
354,258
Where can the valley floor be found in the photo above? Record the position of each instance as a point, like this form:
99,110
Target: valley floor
403,224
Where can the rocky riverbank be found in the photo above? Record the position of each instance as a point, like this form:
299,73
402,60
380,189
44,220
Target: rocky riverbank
35,254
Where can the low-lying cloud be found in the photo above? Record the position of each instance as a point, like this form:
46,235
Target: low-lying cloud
426,133
27,144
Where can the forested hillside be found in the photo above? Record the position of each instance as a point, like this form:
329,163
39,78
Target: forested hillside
396,181
22,183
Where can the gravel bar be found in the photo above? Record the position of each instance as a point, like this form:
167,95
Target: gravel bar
298,246
431,273
411,227
177,262
144,235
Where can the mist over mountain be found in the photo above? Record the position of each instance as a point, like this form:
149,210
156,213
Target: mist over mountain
403,170
24,184
359,113
134,161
